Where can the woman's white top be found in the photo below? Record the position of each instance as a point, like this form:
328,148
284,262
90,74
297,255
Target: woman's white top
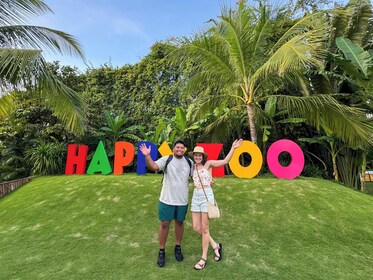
205,176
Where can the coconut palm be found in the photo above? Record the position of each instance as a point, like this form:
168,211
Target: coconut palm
348,76
23,67
239,58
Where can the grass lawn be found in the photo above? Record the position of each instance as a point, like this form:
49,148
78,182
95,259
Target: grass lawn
105,227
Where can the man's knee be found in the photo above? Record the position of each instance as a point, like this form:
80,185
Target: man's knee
165,224
179,223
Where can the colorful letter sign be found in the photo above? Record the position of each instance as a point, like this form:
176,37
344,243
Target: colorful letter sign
75,162
100,162
297,159
251,170
125,153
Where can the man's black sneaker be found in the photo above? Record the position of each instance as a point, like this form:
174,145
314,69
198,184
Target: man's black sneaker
161,259
178,255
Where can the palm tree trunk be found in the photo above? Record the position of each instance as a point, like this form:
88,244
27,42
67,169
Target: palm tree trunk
334,161
250,114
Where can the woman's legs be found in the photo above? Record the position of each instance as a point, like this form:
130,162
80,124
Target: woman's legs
201,223
205,234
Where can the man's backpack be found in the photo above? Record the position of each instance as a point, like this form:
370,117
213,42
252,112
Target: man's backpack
170,157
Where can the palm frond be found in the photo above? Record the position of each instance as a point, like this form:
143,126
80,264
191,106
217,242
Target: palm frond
296,55
235,30
20,67
65,103
348,123
228,123
320,83
20,11
314,21
207,53
260,39
6,105
360,17
39,38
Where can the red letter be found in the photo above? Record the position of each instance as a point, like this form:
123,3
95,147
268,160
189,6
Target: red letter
213,150
124,154
76,160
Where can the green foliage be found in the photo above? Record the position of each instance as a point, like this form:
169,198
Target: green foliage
237,61
47,158
311,170
145,91
23,66
116,130
360,59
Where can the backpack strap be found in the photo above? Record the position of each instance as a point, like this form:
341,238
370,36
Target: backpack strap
190,165
165,167
167,162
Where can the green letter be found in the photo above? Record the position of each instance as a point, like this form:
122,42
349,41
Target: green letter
100,161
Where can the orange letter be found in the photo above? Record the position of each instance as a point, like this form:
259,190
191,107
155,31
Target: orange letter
124,154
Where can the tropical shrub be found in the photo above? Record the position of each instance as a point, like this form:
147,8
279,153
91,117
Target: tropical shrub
47,158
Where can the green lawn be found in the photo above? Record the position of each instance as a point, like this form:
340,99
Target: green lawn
105,227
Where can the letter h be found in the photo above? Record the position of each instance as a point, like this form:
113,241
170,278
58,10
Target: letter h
76,160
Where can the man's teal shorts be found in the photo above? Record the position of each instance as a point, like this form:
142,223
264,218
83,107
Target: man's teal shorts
172,212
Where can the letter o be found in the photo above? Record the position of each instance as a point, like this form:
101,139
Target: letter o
251,170
297,159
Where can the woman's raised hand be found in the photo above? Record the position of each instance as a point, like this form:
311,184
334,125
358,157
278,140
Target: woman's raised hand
237,143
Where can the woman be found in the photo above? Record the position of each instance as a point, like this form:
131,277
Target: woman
200,219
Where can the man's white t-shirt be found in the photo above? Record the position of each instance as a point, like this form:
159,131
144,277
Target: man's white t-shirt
175,182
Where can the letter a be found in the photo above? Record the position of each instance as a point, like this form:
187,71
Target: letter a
100,161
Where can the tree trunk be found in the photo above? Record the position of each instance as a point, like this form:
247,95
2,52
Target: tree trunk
334,161
250,114
335,170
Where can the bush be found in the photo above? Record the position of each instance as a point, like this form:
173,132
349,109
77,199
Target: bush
311,170
47,158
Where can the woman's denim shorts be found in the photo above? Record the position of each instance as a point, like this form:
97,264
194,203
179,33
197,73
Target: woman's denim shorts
199,199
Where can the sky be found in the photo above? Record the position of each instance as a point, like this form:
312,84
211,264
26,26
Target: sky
120,32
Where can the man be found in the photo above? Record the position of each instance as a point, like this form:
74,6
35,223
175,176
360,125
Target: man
173,201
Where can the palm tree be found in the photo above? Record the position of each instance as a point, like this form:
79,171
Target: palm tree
23,67
348,76
116,129
238,59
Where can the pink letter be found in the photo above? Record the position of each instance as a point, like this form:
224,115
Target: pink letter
297,159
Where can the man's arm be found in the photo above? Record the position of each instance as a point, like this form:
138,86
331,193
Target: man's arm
149,161
151,164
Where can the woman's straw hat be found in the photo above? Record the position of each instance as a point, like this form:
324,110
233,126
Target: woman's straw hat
198,149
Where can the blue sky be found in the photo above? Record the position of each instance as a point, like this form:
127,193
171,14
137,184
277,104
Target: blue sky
122,32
